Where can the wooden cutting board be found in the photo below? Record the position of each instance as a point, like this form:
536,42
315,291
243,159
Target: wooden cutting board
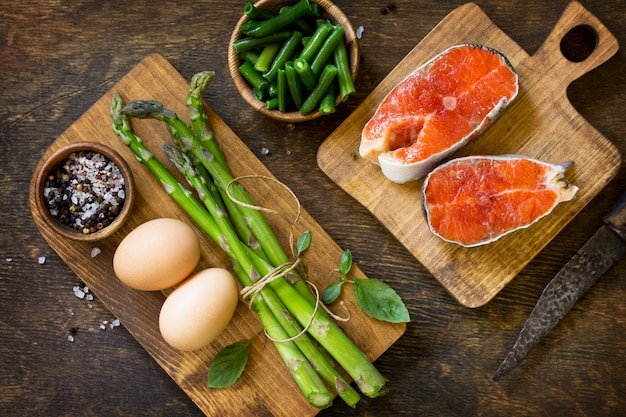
266,387
540,123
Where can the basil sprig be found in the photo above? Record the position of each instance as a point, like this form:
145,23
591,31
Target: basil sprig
374,297
228,365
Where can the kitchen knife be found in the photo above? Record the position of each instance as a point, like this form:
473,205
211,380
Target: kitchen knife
596,256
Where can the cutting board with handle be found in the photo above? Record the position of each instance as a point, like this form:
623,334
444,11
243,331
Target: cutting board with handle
540,123
266,387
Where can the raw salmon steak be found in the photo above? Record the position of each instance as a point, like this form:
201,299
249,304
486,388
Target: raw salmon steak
476,200
439,108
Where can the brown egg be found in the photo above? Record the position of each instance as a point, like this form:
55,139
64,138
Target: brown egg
199,309
157,255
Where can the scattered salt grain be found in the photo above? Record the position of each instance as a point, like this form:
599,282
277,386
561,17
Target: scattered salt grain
78,292
41,260
9,259
265,151
359,32
95,252
104,325
72,332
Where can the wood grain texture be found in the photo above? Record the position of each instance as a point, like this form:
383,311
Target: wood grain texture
540,123
59,58
265,378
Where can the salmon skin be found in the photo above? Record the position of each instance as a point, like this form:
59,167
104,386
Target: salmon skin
437,109
476,200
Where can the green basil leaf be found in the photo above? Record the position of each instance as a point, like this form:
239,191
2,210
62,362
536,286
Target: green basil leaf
331,292
228,365
378,300
345,265
304,241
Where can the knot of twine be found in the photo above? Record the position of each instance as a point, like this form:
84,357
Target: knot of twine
250,292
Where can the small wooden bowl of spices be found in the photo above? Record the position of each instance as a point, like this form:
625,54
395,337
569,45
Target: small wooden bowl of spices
84,191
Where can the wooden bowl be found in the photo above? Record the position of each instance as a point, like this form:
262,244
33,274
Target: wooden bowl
52,164
329,11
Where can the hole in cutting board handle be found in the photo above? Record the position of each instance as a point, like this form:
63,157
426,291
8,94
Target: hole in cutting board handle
579,43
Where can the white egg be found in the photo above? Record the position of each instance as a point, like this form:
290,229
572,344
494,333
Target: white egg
157,255
199,309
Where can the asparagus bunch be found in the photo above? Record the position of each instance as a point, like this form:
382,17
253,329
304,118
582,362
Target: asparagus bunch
284,305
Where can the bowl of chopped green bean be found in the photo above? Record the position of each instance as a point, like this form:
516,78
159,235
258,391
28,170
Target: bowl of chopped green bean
294,60
84,191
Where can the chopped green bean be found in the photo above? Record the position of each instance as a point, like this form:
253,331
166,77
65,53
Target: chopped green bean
344,76
319,22
314,44
272,89
314,11
253,77
295,85
325,52
305,73
283,90
328,102
286,53
327,77
259,94
249,24
250,56
248,43
255,13
272,103
302,24
266,57
266,27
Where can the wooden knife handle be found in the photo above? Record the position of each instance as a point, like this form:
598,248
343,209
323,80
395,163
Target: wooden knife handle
616,218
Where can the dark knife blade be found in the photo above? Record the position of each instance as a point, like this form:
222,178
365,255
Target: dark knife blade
602,250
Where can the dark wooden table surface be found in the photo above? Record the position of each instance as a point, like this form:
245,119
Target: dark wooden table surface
58,58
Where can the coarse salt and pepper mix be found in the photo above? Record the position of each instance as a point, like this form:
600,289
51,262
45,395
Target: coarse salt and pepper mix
86,192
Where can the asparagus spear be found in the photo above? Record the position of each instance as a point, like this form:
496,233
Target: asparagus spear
199,119
202,127
172,187
301,369
222,177
221,174
304,342
322,327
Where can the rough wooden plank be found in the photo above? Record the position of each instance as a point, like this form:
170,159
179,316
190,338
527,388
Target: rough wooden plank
540,123
266,383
